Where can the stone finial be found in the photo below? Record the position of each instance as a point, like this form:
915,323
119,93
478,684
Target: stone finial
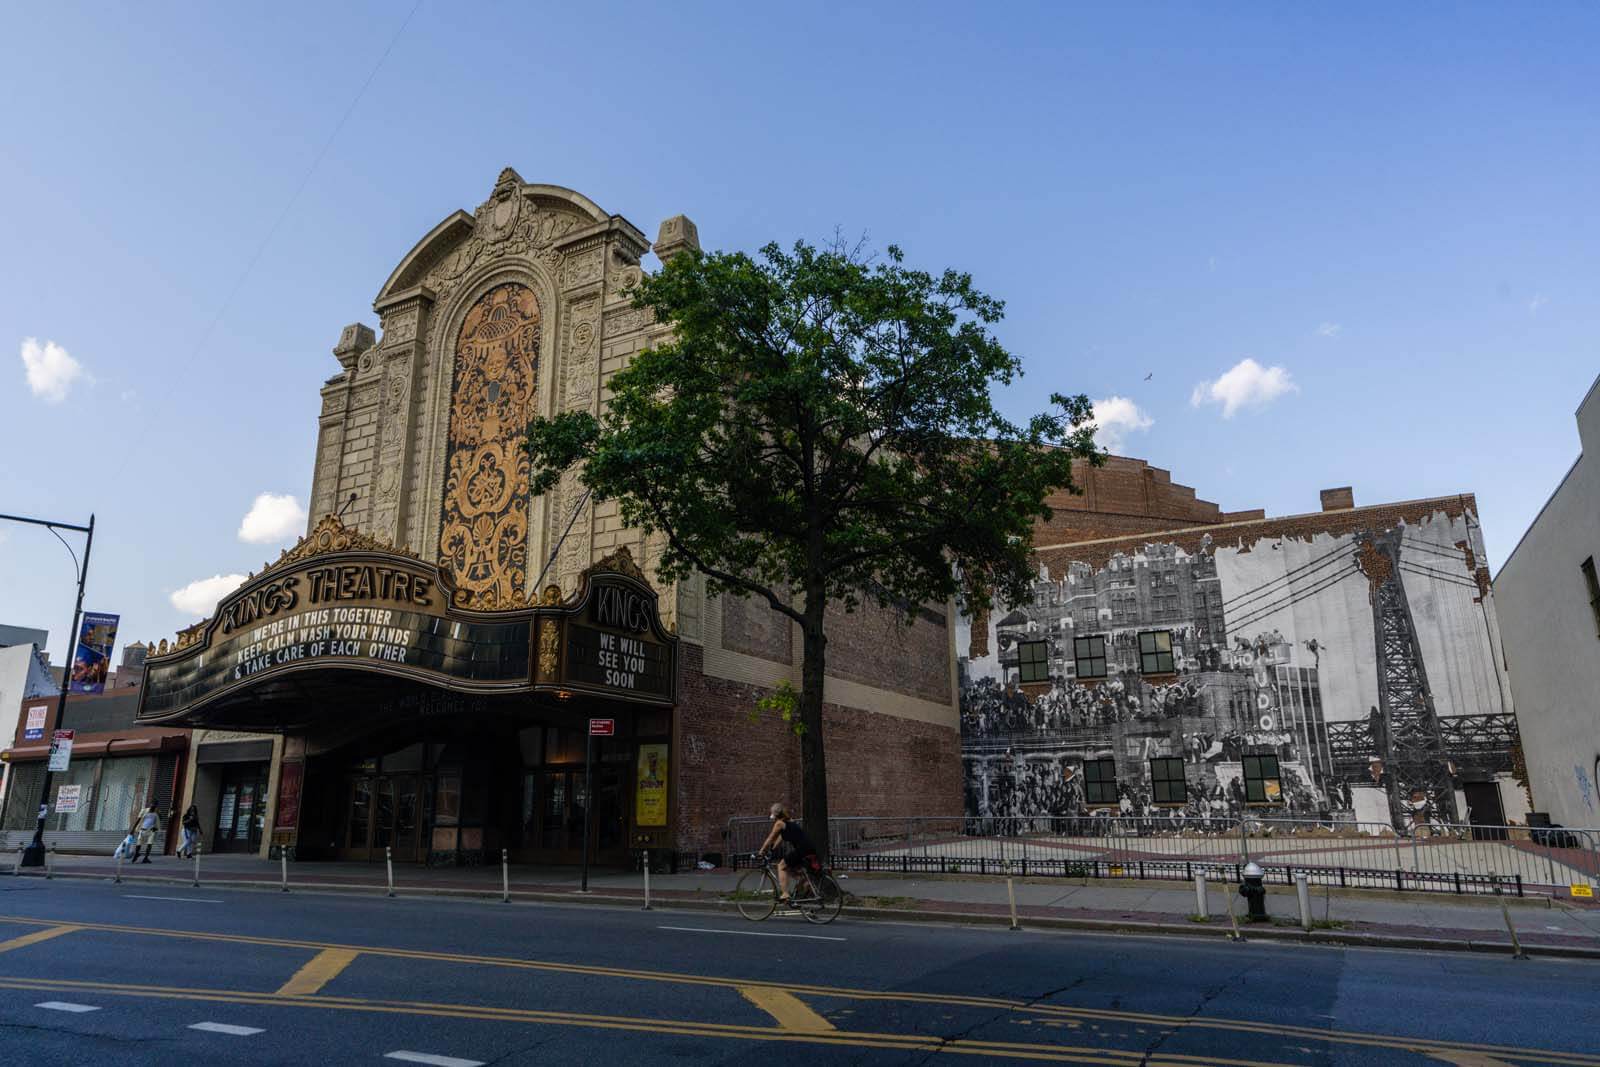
354,339
677,234
508,182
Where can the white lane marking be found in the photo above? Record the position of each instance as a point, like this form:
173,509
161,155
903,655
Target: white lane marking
747,933
227,1028
61,1005
428,1057
185,900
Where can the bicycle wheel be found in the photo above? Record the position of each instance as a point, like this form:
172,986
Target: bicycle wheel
756,894
828,902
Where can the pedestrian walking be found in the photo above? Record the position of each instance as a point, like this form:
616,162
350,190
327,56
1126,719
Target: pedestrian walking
191,831
149,822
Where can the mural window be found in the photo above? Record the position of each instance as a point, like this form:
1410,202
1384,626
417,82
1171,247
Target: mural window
1033,661
1100,781
1593,583
1090,655
1167,782
1155,652
1262,784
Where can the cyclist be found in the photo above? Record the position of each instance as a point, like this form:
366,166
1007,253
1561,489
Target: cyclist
797,849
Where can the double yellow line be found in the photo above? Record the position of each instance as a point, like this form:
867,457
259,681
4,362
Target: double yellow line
781,1000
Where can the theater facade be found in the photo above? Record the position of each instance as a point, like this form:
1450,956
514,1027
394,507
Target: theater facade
416,675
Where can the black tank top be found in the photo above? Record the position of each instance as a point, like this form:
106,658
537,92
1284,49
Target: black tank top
796,838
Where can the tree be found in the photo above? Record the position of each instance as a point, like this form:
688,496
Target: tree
818,428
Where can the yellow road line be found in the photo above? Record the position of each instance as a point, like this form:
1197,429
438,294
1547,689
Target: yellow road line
788,1009
680,1027
321,969
1420,1045
36,937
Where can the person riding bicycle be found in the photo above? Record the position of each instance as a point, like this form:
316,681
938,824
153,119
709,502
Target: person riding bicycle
797,848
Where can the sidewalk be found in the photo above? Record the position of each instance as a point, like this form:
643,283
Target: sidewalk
1420,920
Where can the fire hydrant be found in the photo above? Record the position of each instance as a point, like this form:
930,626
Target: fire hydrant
1254,893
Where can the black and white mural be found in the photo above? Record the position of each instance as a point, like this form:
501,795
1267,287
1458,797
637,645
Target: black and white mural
1211,653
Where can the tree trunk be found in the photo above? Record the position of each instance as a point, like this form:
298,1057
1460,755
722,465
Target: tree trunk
813,764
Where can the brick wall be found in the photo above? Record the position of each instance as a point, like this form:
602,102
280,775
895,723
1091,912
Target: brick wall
874,646
1126,496
729,765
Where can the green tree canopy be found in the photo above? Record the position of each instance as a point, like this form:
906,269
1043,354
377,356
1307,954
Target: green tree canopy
819,427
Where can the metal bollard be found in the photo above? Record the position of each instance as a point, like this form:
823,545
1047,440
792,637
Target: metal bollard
1233,920
388,861
1011,895
197,847
17,870
118,879
283,863
646,880
505,878
1200,908
49,854
1516,943
1302,889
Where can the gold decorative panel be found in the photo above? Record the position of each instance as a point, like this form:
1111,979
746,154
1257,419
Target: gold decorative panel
483,538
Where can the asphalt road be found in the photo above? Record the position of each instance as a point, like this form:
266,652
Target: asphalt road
104,974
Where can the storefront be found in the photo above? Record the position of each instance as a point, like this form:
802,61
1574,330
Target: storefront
417,729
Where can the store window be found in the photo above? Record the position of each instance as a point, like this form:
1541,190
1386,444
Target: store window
1089,656
1155,652
124,785
1100,781
1167,781
1033,661
1262,784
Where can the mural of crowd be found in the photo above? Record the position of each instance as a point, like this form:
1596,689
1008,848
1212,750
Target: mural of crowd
1255,638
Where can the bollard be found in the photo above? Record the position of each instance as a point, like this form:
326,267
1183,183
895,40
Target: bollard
17,870
197,865
118,879
388,862
1200,895
646,880
1302,889
505,878
1516,944
1011,895
49,854
1233,920
283,863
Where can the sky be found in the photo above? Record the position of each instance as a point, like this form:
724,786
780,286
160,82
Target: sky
1283,248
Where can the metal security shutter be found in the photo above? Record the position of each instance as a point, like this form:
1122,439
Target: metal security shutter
166,771
22,795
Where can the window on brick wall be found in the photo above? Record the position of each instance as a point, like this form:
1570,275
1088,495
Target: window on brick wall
1090,656
1262,784
1593,583
1033,661
1155,652
1167,782
1100,781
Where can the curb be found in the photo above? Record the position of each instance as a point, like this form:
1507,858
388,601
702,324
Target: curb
1289,935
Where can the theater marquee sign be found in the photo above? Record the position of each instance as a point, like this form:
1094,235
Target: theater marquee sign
340,601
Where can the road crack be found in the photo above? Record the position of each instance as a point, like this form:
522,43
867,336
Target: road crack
1205,998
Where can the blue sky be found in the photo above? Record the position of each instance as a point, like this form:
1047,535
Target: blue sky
1391,211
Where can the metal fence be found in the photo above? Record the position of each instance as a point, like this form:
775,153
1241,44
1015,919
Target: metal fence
1446,858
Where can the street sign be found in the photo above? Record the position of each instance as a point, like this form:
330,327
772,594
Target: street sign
60,750
1581,889
602,727
67,798
34,730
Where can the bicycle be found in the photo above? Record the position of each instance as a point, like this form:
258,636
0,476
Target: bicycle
814,894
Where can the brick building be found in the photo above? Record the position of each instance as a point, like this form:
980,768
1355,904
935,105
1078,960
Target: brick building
416,674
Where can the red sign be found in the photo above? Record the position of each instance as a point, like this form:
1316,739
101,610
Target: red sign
290,777
602,727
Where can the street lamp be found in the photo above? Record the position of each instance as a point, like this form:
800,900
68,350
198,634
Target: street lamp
33,855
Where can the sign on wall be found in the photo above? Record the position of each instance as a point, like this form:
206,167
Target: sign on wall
650,787
615,645
67,798
60,750
92,660
33,730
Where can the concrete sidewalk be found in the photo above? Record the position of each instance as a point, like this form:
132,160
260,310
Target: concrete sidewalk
1422,920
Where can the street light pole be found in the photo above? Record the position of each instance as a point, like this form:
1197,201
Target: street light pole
33,855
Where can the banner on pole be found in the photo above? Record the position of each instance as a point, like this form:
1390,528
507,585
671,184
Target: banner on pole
92,661
60,751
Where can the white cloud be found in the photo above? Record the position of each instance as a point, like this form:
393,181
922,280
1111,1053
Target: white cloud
1247,384
1114,418
200,596
51,369
1538,301
273,517
1329,329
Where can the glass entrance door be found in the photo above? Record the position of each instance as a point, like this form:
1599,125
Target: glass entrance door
241,808
381,812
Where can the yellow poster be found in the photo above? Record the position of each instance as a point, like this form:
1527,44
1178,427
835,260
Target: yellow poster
650,787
